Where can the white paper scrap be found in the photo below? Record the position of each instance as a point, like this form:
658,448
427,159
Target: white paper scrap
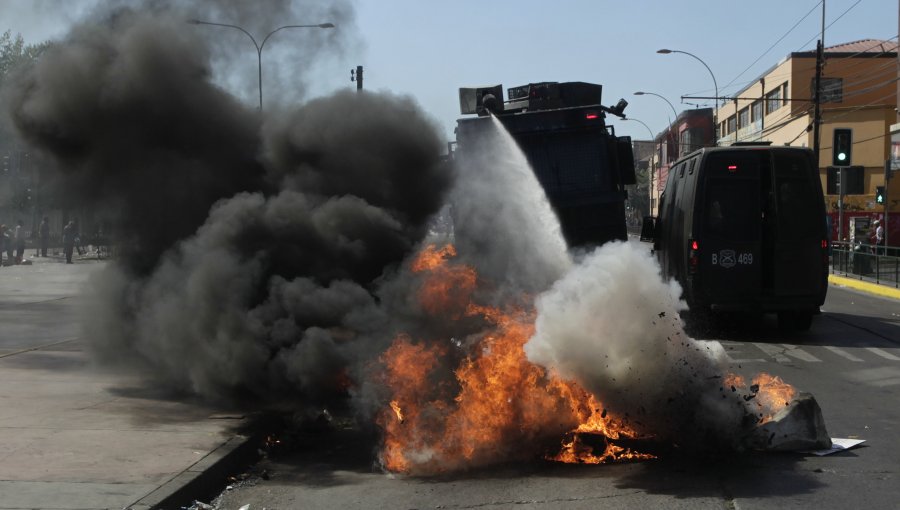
838,444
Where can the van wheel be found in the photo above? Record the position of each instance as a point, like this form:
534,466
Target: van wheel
794,321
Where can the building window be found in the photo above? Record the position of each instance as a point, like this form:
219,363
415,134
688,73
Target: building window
691,139
756,109
744,118
773,100
832,89
731,125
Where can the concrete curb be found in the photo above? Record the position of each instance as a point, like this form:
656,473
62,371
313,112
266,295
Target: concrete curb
205,478
872,288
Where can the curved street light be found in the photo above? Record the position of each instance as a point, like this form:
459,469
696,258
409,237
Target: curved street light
259,47
640,93
650,185
715,86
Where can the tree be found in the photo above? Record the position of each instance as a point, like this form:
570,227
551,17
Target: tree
17,173
639,194
14,53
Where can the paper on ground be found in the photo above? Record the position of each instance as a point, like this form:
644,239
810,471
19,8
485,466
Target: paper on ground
838,444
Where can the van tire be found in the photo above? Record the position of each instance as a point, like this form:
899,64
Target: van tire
795,320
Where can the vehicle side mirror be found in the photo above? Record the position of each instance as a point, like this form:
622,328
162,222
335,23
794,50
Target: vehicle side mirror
648,229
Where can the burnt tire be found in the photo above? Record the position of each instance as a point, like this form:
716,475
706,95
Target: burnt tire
794,321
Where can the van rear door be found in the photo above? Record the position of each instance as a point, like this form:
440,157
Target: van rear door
729,239
797,263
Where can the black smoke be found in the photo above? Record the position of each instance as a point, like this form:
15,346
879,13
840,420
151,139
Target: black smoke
127,110
252,244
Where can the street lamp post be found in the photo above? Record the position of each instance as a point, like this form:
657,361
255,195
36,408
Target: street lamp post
259,47
640,93
652,166
670,130
715,86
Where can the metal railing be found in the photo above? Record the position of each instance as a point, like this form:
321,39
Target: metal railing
863,262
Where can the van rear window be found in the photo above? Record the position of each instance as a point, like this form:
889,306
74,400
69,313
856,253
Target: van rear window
796,198
732,201
732,213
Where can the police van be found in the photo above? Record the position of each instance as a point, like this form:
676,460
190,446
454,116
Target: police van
742,228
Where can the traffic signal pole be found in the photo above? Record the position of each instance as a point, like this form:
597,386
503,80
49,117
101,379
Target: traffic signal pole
841,205
887,186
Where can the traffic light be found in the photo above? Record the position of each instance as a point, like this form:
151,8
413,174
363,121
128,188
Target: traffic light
879,194
842,147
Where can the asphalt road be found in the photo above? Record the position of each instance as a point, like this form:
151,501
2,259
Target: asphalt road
850,361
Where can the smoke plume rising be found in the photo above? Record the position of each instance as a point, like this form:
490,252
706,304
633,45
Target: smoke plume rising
251,247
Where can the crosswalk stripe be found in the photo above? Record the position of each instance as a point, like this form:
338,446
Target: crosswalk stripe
884,354
842,353
793,350
781,353
773,351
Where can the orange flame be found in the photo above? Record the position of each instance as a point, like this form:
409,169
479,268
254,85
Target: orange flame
496,404
396,407
771,394
446,289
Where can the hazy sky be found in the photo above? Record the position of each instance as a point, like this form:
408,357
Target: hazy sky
429,48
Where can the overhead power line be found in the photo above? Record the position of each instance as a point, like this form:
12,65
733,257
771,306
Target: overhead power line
835,20
773,45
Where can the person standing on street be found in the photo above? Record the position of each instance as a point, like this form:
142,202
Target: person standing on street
879,237
44,232
69,241
4,239
20,242
8,245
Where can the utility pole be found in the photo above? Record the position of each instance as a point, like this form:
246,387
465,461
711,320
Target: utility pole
817,100
357,76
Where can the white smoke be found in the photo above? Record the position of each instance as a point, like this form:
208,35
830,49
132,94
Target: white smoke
612,324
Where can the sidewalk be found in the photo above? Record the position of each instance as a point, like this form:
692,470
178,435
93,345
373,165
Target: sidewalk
864,286
75,437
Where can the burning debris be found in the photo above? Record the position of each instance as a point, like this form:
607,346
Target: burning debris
797,426
501,405
497,405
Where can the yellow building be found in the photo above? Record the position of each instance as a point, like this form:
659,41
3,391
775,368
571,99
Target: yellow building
859,92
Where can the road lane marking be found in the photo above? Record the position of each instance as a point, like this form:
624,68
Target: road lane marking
730,348
773,351
37,348
742,360
842,353
793,350
781,353
884,354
